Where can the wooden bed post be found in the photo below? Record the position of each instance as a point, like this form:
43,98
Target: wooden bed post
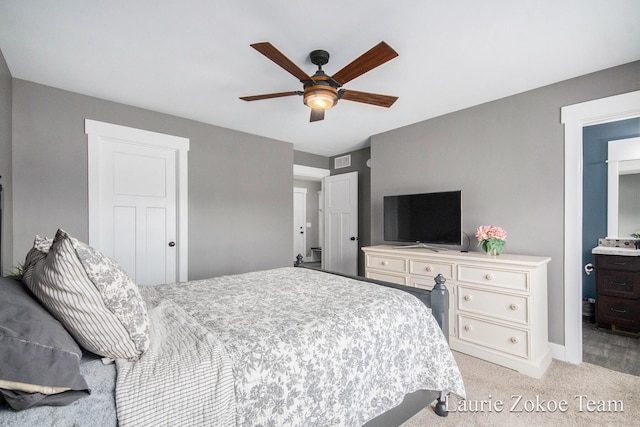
440,304
440,310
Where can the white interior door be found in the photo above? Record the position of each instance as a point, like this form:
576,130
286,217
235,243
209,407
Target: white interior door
135,204
299,222
340,250
139,211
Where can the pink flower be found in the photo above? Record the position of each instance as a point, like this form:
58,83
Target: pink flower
486,232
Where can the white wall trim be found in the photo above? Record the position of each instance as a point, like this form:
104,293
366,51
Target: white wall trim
309,172
575,118
558,351
97,131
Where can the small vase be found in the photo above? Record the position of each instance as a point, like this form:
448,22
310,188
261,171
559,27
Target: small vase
492,252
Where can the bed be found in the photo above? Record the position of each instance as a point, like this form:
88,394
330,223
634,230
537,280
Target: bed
288,346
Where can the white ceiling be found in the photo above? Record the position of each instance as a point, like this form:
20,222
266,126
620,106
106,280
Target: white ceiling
191,58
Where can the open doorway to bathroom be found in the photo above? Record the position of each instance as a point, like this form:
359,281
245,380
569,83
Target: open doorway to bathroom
599,344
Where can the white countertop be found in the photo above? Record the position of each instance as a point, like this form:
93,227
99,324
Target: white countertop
607,250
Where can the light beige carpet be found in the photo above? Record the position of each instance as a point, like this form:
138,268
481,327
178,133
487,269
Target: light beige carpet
567,395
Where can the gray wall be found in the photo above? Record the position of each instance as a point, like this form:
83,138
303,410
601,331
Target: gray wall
309,159
6,264
240,199
507,157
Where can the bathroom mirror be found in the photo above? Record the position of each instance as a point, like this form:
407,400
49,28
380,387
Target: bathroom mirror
623,205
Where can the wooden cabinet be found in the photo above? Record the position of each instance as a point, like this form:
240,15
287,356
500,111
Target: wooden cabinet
497,306
618,293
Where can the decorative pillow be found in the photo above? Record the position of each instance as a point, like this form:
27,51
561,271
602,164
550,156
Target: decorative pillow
91,295
40,361
37,253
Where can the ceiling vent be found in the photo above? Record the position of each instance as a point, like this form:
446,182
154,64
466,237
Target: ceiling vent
342,162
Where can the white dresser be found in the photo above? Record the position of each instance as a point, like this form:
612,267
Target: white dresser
497,306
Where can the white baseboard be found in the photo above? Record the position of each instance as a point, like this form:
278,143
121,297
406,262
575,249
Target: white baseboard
558,351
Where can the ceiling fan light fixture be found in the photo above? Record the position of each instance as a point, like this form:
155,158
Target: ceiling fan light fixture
321,90
320,96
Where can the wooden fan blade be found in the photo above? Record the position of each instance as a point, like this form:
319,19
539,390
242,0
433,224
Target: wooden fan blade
268,50
270,95
374,57
368,98
316,115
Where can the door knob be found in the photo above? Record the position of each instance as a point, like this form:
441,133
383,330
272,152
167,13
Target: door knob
353,238
172,244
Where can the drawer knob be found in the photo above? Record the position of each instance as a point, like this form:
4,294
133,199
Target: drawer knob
467,327
489,276
467,297
384,263
514,307
515,340
429,269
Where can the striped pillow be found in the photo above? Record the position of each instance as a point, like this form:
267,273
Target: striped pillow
91,295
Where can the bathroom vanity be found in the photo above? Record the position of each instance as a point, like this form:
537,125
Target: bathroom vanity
618,289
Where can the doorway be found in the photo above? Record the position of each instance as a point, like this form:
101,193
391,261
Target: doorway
300,222
599,345
310,179
575,118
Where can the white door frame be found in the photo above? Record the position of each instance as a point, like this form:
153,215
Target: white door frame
98,131
575,118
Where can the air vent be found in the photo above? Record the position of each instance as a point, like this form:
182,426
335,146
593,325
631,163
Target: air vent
342,162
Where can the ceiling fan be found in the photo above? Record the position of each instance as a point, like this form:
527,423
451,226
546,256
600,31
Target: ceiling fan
321,91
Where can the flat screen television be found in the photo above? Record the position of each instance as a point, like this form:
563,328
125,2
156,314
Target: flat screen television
424,218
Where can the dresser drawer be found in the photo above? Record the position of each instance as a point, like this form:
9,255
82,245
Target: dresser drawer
624,284
518,280
400,280
494,336
618,262
618,311
386,263
511,308
426,283
431,268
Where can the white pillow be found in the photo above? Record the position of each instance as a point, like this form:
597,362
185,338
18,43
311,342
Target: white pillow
91,295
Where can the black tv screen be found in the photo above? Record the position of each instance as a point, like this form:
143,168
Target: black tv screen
424,218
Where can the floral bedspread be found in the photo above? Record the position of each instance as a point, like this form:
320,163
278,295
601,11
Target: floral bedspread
314,349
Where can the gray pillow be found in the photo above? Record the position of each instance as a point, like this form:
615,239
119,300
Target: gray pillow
40,361
90,294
